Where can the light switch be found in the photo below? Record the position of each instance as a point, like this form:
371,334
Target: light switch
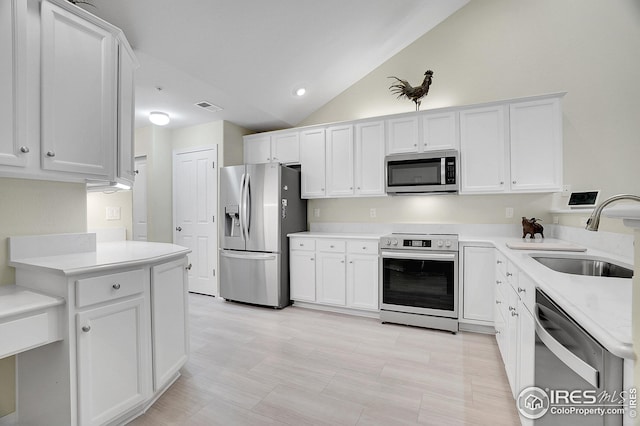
508,212
113,213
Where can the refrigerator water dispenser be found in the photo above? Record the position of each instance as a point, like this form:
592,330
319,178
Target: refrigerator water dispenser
232,221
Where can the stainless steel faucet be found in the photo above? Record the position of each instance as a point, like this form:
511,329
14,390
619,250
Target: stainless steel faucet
594,221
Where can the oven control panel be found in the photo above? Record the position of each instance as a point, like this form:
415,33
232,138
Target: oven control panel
442,242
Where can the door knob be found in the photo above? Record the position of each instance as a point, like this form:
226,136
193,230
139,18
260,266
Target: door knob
116,286
24,149
188,267
86,328
179,228
51,154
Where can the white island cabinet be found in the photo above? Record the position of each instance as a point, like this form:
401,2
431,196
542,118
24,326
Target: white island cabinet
123,327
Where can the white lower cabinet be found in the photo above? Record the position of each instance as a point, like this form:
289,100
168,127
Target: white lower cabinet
125,342
341,273
113,360
169,321
478,283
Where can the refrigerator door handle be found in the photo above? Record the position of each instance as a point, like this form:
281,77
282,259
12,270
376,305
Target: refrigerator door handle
248,255
242,206
247,206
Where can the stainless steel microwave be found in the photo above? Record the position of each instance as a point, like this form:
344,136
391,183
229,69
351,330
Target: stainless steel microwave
422,173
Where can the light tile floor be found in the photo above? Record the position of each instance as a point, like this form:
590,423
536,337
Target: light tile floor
295,366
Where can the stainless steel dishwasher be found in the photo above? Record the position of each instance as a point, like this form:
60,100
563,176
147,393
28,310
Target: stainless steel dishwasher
567,359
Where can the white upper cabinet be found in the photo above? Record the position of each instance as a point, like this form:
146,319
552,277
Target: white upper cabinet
536,145
78,94
340,178
514,146
369,158
402,135
482,149
14,150
127,65
312,159
277,147
257,148
439,131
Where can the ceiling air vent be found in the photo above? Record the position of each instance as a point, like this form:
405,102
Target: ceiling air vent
208,106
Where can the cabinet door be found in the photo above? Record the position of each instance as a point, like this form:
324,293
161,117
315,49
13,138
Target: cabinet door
331,278
536,145
500,323
302,268
482,150
113,360
78,94
257,149
369,153
13,50
169,321
362,281
479,281
402,135
439,131
285,148
339,161
312,158
126,112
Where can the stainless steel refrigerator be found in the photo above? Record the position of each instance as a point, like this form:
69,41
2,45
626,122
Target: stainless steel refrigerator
261,205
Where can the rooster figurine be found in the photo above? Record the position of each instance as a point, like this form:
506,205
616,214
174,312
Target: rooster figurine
404,89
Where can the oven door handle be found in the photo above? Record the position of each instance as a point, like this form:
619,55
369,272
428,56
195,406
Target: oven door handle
418,256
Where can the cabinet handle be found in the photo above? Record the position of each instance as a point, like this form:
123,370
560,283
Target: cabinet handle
514,182
498,302
301,245
497,331
188,267
511,308
51,154
321,189
509,274
364,248
499,262
415,144
342,261
179,228
522,290
498,282
332,246
312,258
116,286
514,314
86,328
24,149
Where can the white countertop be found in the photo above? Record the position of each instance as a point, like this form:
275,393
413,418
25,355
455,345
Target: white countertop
355,236
16,300
602,306
120,254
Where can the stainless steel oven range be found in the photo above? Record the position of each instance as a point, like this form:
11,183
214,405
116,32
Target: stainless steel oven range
419,280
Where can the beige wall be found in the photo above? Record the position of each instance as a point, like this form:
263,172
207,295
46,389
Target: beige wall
29,207
97,204
500,49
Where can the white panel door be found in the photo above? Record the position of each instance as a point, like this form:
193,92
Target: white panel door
195,201
140,200
302,266
478,283
257,149
439,131
402,135
285,148
126,111
340,161
13,150
369,153
78,94
362,281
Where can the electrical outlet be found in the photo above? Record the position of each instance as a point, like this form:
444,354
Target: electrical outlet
113,213
316,212
556,220
566,190
508,212
373,212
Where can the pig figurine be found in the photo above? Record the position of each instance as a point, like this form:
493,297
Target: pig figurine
530,226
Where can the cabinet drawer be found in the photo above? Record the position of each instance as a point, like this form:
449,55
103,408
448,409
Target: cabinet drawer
526,289
303,244
501,264
362,246
109,287
334,246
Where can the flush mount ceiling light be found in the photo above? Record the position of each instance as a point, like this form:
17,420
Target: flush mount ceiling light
300,91
159,118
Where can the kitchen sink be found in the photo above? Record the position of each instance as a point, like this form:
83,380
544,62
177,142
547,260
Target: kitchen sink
585,266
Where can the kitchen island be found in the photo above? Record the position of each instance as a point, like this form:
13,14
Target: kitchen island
122,324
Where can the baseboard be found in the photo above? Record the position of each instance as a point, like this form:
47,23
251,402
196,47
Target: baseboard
476,328
337,309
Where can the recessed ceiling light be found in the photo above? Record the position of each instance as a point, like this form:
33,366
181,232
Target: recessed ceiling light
300,91
159,118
